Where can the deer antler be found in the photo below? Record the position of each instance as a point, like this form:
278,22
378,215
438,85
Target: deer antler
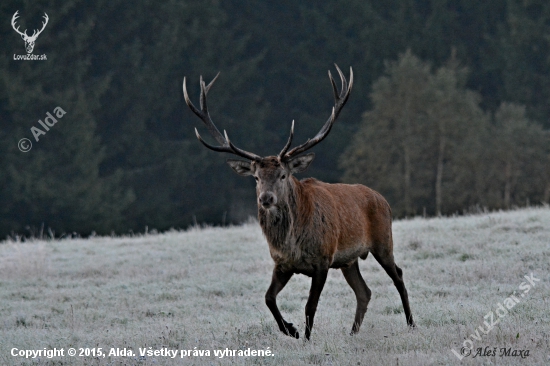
24,34
36,33
226,145
287,146
340,99
13,19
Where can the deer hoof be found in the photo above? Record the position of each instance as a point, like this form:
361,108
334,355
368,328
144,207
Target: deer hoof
290,330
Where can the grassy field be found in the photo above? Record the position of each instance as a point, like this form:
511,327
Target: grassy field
203,289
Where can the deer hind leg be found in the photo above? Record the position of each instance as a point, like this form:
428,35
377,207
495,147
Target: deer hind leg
278,282
387,262
362,293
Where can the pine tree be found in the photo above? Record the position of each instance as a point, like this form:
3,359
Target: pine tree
58,183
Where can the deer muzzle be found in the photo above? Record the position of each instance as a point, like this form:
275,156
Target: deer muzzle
267,199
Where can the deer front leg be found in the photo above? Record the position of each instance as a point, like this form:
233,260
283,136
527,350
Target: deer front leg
317,283
278,281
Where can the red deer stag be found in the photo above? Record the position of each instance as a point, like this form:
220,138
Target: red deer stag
312,226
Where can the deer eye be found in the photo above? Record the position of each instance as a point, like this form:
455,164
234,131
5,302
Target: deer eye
256,178
283,177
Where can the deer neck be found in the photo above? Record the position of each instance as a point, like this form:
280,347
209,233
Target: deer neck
280,223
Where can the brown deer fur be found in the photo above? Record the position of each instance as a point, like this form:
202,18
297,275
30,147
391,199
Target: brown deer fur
311,226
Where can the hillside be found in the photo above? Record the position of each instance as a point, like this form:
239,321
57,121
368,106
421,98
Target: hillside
205,287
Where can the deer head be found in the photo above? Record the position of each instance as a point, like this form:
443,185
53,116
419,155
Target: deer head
272,173
29,40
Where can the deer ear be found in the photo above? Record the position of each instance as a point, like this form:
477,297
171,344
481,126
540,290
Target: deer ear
241,167
300,163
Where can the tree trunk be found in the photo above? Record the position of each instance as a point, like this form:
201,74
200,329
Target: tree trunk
546,198
507,183
439,174
407,177
407,158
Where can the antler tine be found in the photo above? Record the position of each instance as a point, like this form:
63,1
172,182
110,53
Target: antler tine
203,113
334,88
343,78
232,149
204,90
340,99
226,145
240,152
287,146
211,147
207,87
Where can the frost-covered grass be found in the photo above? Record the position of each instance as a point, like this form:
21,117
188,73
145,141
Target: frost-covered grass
205,288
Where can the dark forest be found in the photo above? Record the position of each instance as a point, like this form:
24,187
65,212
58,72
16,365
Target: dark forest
449,111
